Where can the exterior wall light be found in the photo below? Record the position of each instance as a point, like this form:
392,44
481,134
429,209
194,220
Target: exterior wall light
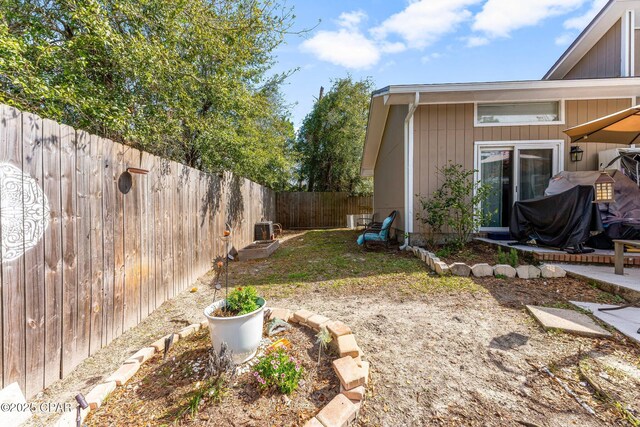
604,188
576,153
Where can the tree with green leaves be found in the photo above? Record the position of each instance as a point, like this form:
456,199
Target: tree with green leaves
185,79
330,141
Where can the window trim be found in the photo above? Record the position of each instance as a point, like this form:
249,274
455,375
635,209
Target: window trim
560,121
557,145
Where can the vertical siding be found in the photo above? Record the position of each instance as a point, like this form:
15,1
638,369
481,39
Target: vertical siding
603,60
388,184
444,133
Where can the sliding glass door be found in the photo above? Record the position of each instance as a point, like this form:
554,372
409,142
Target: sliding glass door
514,171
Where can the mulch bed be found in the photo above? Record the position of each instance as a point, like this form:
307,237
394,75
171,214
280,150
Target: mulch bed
159,393
475,252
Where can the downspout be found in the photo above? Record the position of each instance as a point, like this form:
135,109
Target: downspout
408,170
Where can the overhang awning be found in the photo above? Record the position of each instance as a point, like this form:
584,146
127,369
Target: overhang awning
622,127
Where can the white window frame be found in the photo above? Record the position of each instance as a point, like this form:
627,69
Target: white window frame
560,120
557,145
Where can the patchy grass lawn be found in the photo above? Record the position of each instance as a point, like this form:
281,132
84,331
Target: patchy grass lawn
332,259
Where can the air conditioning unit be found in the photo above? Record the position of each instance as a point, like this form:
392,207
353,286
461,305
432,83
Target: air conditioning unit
611,156
263,231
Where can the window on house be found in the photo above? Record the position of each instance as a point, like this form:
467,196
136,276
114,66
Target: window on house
518,113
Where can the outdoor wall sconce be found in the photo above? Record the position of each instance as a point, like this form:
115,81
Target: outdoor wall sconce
576,153
604,188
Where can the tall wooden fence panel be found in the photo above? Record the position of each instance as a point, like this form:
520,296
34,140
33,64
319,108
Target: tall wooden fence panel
319,209
88,251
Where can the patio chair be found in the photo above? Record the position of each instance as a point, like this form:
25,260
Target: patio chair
374,225
378,234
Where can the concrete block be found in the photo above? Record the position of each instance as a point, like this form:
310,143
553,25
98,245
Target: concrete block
99,393
317,321
460,269
124,373
338,413
141,355
349,373
504,270
313,422
301,316
347,346
528,272
338,329
567,320
280,313
552,271
482,270
356,393
441,268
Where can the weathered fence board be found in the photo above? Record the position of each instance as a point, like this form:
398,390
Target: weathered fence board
103,260
319,209
13,280
34,261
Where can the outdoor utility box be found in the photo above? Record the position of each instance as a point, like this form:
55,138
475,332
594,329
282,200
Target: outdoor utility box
263,231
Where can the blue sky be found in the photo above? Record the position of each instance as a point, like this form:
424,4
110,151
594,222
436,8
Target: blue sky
425,41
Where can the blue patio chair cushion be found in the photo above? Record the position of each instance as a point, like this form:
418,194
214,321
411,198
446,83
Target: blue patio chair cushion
378,237
370,237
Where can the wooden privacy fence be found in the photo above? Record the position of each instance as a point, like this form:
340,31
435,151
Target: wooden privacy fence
319,210
82,259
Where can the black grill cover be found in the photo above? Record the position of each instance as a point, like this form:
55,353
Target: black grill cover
563,220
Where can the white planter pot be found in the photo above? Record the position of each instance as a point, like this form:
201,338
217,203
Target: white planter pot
241,333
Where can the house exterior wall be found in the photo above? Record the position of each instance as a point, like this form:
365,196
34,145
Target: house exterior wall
603,60
388,186
446,132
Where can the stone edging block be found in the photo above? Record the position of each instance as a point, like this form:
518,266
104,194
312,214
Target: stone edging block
352,371
484,270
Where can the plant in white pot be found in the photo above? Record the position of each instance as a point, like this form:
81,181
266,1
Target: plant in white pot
237,319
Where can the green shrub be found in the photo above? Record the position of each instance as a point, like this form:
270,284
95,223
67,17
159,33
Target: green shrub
456,204
278,370
243,300
510,258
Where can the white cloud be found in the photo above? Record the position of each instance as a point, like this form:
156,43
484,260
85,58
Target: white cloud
396,47
423,22
579,22
564,39
431,56
498,18
351,20
347,46
475,41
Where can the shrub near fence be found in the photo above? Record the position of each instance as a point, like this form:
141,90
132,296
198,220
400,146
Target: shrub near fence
319,209
82,261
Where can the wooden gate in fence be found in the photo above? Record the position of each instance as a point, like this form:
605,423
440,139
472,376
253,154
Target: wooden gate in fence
319,210
82,258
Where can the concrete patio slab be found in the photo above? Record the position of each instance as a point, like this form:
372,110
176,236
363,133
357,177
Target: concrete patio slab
627,285
626,320
567,320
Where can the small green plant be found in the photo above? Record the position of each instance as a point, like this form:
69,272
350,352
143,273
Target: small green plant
501,276
445,251
278,370
242,300
456,204
323,338
510,258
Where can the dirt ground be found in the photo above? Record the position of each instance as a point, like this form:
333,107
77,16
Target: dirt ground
443,351
161,391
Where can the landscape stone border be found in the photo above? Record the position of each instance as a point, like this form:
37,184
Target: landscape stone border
350,368
484,270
